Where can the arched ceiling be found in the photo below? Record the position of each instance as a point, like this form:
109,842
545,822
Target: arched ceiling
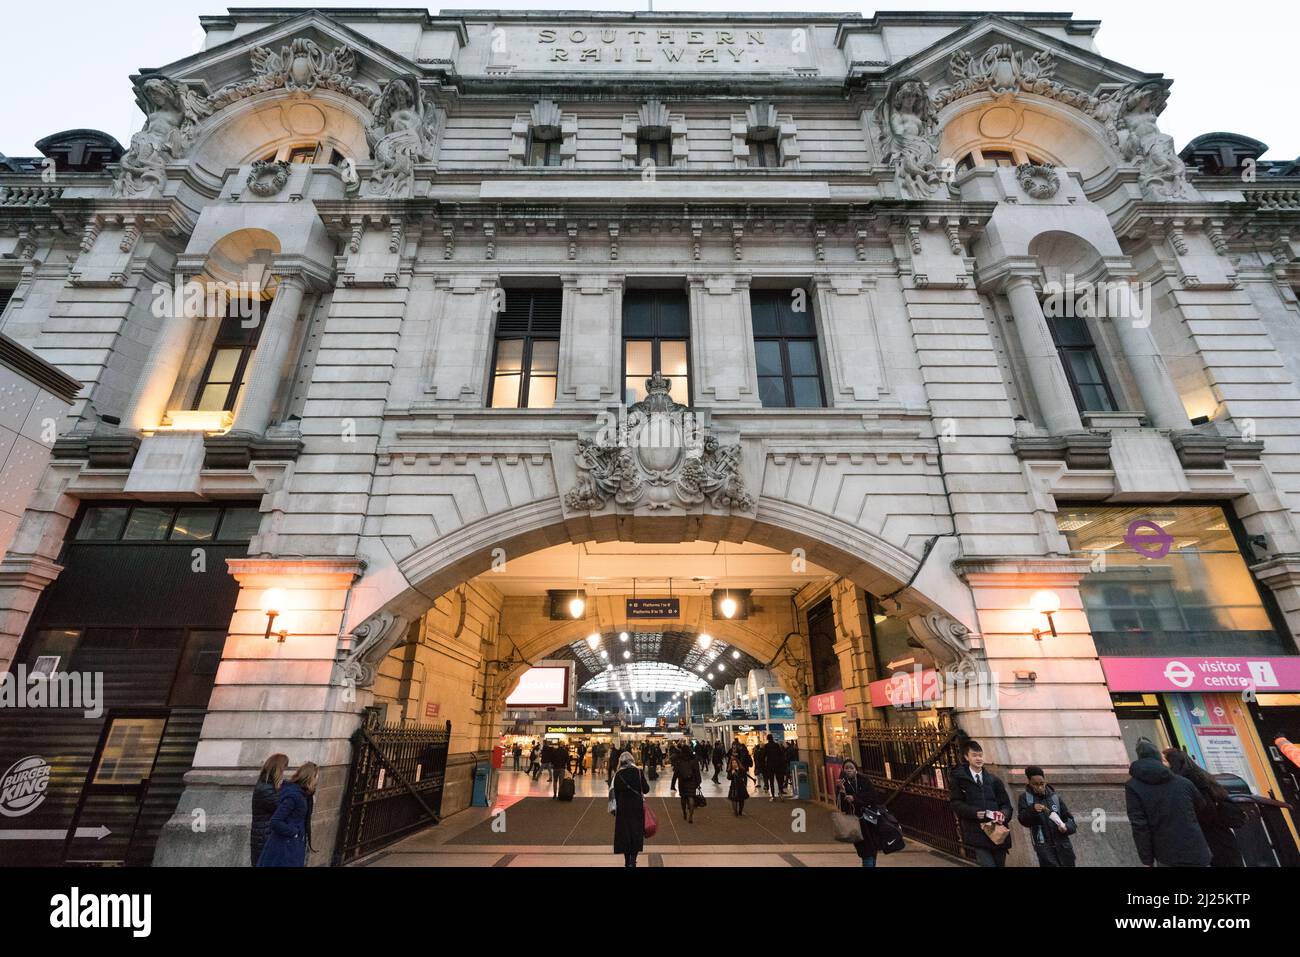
682,649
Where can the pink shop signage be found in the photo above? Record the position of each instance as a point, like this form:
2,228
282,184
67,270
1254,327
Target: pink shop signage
1202,674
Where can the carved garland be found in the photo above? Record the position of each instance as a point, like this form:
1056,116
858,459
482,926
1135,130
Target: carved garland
1038,181
267,177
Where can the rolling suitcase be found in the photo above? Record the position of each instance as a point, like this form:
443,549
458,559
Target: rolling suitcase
566,789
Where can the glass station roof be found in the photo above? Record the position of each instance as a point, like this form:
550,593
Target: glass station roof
713,666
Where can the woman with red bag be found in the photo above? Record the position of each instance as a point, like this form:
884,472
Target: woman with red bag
630,788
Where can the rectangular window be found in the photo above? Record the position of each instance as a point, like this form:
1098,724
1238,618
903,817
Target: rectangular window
656,338
304,154
765,153
1082,364
542,152
159,523
785,349
5,295
658,152
527,355
228,365
1167,580
129,750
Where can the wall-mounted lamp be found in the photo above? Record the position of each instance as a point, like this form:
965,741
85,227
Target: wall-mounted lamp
273,604
1046,603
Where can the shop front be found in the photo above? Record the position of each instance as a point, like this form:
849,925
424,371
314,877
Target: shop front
1193,651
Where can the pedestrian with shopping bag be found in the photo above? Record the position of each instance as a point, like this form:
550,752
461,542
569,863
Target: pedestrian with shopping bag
630,812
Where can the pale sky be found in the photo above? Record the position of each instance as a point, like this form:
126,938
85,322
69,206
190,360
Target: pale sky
66,62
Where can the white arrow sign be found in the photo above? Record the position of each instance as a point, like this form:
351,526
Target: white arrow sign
55,834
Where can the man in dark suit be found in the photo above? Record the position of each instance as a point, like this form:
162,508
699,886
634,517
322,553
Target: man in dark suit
977,797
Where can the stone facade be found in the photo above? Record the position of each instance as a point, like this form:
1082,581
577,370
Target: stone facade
387,483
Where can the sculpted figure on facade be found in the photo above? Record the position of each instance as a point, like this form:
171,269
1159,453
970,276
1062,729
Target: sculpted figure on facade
909,139
167,134
1133,130
1004,71
404,133
662,460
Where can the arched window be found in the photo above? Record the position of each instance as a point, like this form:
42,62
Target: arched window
993,156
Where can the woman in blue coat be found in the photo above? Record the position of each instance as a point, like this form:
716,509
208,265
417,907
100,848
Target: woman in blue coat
290,829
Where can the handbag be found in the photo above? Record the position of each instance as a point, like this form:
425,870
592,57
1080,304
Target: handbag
651,822
995,832
845,827
889,835
613,802
699,797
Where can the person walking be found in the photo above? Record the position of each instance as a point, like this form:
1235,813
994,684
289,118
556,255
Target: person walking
689,776
738,792
1164,811
1049,821
774,768
759,759
980,801
630,788
288,836
1219,816
532,761
719,756
559,766
582,756
266,797
516,752
855,794
674,753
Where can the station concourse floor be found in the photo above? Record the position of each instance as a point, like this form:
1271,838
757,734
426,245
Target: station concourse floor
526,827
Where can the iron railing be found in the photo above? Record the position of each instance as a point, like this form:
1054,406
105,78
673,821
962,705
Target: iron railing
394,787
912,768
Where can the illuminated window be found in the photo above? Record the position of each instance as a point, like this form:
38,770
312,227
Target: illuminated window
656,338
231,358
527,354
993,157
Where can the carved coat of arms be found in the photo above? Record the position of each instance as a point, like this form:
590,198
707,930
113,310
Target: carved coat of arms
662,459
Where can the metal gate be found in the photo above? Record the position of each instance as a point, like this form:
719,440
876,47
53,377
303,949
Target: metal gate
394,787
912,767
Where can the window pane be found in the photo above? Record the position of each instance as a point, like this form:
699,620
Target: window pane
636,355
638,315
195,524
553,154
541,392
240,524
101,524
505,391
796,314
672,357
213,398
803,357
768,354
129,750
763,312
633,389
680,389
510,356
674,316
807,392
546,356
224,364
771,392
148,524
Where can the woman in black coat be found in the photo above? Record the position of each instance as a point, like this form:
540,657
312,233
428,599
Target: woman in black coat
738,793
630,788
855,794
686,770
266,796
1218,816
289,839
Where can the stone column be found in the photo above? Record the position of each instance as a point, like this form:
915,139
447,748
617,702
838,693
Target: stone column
162,367
272,696
268,370
1160,397
1051,388
1045,701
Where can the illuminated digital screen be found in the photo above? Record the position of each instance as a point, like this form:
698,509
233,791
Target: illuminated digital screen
544,687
